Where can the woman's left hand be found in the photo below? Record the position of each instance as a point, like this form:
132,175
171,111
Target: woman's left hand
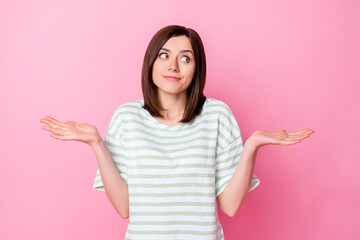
261,138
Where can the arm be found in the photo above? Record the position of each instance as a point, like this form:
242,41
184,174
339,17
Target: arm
238,186
115,186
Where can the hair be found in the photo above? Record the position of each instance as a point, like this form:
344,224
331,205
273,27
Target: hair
195,96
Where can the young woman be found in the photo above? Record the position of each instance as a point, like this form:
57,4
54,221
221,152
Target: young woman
168,157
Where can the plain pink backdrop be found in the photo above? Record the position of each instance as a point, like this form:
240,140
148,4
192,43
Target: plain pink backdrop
277,64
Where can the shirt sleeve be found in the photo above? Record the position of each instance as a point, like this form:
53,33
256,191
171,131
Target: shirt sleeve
228,151
114,143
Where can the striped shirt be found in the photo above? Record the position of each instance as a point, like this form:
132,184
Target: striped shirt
174,173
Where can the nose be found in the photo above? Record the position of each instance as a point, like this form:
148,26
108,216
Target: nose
173,65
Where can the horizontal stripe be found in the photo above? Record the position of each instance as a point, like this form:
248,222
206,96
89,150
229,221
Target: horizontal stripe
172,185
163,157
174,223
180,175
173,194
162,150
134,139
171,166
167,204
172,213
138,130
188,232
232,166
234,148
229,159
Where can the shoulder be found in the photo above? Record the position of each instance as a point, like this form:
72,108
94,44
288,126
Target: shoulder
224,114
135,104
219,106
130,108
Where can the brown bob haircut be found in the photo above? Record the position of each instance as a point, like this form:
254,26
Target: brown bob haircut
196,98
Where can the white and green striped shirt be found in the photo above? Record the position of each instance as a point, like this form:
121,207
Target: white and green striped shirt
174,173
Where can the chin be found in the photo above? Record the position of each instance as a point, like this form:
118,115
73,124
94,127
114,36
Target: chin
171,91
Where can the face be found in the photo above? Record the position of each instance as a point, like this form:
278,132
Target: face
174,67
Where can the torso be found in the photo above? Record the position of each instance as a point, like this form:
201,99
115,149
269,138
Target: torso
174,171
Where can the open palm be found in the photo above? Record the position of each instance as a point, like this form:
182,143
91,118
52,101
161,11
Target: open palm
281,137
71,130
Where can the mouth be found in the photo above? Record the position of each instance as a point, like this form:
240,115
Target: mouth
172,78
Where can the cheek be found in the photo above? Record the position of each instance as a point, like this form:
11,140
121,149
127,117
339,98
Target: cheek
191,72
155,67
189,76
156,70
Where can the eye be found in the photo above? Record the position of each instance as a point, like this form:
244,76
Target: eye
185,58
163,55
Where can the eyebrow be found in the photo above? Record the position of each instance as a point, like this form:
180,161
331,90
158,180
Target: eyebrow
182,51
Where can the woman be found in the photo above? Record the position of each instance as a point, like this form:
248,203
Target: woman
168,157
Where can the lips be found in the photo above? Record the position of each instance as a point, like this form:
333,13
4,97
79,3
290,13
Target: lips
172,78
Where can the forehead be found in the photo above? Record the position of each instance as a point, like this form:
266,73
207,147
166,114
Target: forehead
178,43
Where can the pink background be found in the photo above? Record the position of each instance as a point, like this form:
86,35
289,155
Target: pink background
277,64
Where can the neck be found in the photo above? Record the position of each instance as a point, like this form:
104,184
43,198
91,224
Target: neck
174,105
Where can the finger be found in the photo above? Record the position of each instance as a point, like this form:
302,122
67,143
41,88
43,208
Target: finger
71,122
303,131
294,133
53,120
306,136
300,136
60,137
297,137
65,137
48,122
48,128
291,138
55,125
288,142
55,130
50,118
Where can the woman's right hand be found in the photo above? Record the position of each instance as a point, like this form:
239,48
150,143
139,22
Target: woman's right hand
71,131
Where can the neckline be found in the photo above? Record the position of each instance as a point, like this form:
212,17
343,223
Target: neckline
169,127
